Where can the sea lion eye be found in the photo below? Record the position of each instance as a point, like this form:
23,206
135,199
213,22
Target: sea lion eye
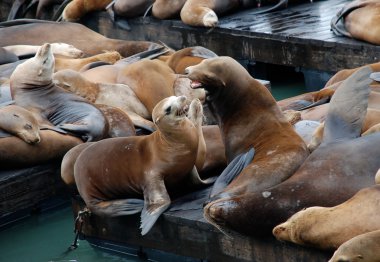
15,115
28,126
168,110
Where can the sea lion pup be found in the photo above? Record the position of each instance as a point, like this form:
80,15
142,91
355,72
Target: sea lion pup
349,21
328,228
32,87
163,9
339,161
81,37
77,63
76,9
57,49
141,166
117,95
241,104
362,248
17,121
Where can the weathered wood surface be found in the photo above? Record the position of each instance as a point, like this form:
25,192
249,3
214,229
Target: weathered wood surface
298,36
186,233
23,190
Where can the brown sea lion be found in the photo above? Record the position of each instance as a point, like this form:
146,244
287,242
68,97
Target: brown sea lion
15,153
117,95
57,49
241,104
163,9
77,63
141,166
76,9
19,122
334,172
83,38
362,248
32,87
328,228
349,21
120,124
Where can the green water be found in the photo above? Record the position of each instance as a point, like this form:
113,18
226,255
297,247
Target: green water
46,237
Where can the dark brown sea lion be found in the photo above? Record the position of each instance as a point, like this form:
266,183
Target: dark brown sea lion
248,116
334,172
19,122
32,87
362,248
349,21
148,166
83,38
76,9
328,228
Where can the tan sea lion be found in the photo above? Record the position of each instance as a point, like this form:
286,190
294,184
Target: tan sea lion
151,166
349,21
328,228
7,56
15,153
57,49
377,177
34,32
362,248
343,159
163,9
117,95
76,9
32,87
19,122
77,63
241,104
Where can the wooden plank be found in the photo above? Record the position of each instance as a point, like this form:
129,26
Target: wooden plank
187,234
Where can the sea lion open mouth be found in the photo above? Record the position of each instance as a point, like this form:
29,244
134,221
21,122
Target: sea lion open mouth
182,111
195,84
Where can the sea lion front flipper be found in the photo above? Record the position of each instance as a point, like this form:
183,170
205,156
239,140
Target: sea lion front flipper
191,201
231,171
348,107
157,200
375,76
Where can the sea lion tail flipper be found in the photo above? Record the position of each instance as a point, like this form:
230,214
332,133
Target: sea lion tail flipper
231,171
120,207
375,76
157,200
348,107
202,52
53,128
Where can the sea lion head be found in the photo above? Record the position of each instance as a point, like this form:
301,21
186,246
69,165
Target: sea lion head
21,123
209,74
169,112
36,71
66,50
210,19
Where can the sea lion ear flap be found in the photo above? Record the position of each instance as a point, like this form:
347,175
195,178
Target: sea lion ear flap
157,119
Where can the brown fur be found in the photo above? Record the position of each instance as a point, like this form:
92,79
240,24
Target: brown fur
328,228
76,9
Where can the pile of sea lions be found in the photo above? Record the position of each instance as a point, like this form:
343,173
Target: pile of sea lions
192,12
92,113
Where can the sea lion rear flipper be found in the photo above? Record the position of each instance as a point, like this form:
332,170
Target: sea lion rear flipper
191,201
157,200
348,107
322,101
232,170
375,76
53,128
149,54
200,51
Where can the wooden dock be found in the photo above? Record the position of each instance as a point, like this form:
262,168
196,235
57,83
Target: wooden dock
187,235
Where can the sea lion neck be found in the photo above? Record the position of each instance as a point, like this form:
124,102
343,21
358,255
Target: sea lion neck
180,133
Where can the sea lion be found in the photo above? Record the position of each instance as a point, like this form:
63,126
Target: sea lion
76,9
7,56
117,95
32,87
328,228
377,177
362,248
57,49
141,166
345,162
34,32
349,21
19,122
77,63
163,9
241,104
